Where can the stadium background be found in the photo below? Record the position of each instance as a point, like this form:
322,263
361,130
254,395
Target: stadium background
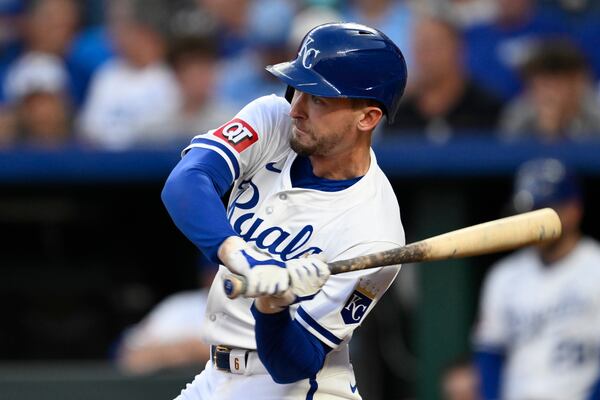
87,248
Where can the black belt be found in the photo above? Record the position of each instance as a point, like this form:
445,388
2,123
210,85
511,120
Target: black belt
220,356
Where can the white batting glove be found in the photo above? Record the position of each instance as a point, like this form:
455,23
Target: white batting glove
307,277
264,275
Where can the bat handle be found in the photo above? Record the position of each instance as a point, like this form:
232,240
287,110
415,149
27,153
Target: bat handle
234,285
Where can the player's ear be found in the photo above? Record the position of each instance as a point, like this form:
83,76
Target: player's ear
369,118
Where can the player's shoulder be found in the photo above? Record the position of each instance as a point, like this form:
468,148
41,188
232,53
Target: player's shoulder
590,247
268,106
268,115
513,266
588,256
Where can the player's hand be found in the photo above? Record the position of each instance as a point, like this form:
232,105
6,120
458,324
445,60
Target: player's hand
264,275
307,276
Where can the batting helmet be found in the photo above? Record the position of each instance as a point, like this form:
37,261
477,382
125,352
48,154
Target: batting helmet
347,60
544,182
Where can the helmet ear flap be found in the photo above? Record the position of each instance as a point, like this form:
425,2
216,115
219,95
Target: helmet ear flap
289,94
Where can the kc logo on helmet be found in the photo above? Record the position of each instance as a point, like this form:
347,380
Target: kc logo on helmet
238,134
307,53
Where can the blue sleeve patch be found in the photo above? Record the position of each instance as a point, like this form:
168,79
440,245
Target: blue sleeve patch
355,308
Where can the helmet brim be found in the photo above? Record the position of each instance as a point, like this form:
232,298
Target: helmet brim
304,80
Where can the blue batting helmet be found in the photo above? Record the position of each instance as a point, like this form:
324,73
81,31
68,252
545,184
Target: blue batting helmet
347,60
542,183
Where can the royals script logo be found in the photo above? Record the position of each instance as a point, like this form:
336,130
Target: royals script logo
272,239
307,53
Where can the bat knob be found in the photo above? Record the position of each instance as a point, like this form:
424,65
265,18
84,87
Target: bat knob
228,286
234,285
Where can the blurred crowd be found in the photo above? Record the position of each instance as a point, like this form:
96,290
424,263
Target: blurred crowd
119,74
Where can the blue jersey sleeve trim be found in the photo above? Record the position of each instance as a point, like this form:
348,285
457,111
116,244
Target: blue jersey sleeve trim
490,366
595,392
224,149
490,348
315,325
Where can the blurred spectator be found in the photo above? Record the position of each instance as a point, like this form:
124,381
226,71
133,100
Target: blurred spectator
189,19
443,100
588,33
392,17
11,16
36,86
537,337
134,98
495,50
307,19
460,381
90,49
195,63
8,127
51,25
232,18
169,336
244,78
467,13
559,101
48,27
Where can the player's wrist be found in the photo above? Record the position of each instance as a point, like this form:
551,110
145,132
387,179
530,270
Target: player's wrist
229,246
271,304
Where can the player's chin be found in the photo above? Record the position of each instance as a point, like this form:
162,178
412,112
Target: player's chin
300,146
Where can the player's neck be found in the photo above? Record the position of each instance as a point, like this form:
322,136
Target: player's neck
562,248
347,165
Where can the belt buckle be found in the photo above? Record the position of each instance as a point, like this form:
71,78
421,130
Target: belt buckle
222,349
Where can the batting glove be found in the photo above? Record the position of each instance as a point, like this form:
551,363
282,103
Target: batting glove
307,277
264,275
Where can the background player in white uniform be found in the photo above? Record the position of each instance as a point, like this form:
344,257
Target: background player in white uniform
539,330
306,187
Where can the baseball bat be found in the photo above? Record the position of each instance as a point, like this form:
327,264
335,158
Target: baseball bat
489,237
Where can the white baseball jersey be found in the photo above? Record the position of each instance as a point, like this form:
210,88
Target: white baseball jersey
548,322
290,222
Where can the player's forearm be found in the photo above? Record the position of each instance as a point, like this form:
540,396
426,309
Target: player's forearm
287,350
191,195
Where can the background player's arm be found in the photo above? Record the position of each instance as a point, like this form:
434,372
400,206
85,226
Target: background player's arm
490,340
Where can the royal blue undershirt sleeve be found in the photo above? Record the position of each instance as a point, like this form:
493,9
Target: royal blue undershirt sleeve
595,392
288,351
192,196
490,365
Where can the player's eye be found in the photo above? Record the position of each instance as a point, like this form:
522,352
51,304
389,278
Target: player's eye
317,100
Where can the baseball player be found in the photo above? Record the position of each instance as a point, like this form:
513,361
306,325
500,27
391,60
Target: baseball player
305,187
539,330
